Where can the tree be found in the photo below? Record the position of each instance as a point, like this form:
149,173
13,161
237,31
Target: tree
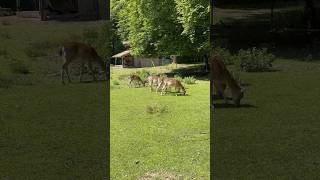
166,27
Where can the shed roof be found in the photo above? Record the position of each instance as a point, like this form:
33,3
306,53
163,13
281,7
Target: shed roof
122,54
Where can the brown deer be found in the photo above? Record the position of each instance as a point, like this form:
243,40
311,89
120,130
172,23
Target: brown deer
153,80
136,79
171,82
222,78
75,52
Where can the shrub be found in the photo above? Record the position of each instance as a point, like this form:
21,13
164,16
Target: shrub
225,54
156,108
143,74
254,60
18,66
189,80
179,78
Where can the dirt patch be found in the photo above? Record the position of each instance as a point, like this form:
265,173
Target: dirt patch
161,176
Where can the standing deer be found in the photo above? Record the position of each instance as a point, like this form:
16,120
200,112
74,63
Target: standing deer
74,52
171,82
135,78
222,78
153,80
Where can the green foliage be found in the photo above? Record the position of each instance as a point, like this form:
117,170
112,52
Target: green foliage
193,15
189,80
178,77
224,54
143,74
162,27
254,60
99,39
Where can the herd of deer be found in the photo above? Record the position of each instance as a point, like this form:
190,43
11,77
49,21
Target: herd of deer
158,81
74,52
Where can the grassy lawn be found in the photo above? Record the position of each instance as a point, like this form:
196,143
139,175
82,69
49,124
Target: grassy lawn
49,131
147,143
274,135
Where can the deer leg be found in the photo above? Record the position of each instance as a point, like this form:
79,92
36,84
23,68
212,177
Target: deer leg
65,70
130,83
220,88
68,75
159,85
62,76
163,89
81,71
92,72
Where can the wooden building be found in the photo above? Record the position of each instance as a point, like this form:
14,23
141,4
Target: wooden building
126,59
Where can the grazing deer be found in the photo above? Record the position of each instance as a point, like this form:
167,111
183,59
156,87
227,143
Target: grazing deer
222,78
74,52
171,82
153,80
135,78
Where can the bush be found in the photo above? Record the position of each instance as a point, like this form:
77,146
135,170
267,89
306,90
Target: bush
225,54
254,60
179,78
18,66
189,80
143,74
156,108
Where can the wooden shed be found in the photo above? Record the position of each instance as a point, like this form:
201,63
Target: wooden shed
128,60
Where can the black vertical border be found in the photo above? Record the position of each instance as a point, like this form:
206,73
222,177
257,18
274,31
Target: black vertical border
212,123
108,157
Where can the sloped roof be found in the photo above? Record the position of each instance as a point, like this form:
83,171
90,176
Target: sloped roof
122,54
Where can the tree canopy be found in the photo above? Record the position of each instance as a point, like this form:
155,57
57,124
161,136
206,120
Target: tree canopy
167,27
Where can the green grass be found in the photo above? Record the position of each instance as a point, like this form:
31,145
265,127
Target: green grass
48,131
276,138
172,137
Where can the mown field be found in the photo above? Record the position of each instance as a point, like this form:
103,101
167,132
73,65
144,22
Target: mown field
158,136
48,131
